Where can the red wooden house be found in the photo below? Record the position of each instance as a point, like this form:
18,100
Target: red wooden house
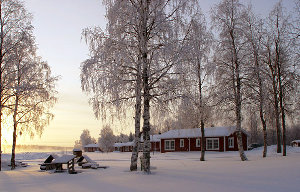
123,147
127,147
91,148
216,139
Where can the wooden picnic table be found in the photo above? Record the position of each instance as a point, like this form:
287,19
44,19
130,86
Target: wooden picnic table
65,159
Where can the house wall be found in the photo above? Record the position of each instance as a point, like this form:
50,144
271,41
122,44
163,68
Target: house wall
126,149
193,147
91,149
235,148
155,146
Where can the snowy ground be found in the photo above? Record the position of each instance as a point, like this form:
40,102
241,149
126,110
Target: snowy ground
170,172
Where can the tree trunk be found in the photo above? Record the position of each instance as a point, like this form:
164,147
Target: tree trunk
281,109
202,158
144,12
261,102
1,82
263,122
13,162
202,142
146,117
277,116
0,137
238,97
275,97
136,145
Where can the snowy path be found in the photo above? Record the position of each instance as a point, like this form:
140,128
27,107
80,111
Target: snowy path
171,172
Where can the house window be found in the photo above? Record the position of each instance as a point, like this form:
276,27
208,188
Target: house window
198,144
181,142
230,142
169,144
212,143
126,148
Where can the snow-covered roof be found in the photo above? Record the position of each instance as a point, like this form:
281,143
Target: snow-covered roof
123,144
153,138
209,132
64,159
92,145
296,141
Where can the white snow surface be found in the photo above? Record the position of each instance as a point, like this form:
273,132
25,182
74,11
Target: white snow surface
176,171
190,133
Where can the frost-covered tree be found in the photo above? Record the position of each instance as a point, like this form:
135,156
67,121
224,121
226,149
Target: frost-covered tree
283,68
85,138
113,72
106,139
135,59
14,22
228,19
256,79
197,70
33,91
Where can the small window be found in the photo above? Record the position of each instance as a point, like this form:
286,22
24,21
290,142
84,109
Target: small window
126,148
169,144
230,142
198,144
212,144
181,142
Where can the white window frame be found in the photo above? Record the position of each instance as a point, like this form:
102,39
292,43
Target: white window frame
231,142
198,144
169,149
181,142
213,145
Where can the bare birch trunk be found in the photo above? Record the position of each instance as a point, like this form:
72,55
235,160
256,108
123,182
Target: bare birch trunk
0,135
146,116
136,145
238,98
281,105
202,158
1,82
144,12
280,89
277,116
261,101
13,162
275,97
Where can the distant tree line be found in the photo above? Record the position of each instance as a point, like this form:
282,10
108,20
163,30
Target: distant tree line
106,139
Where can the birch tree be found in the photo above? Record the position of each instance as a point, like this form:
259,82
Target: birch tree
115,66
33,94
228,18
13,22
198,69
144,30
256,79
283,71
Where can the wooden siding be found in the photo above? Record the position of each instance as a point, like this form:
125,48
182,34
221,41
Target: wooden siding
190,144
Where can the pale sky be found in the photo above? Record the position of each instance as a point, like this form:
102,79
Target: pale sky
58,26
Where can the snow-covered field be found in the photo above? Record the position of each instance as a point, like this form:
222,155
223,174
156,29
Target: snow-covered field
170,172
